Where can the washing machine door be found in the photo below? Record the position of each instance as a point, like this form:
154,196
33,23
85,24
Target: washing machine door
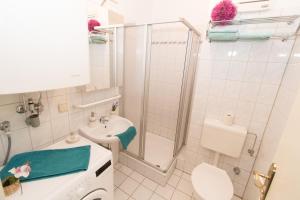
98,194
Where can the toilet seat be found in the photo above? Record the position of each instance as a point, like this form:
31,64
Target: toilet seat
212,183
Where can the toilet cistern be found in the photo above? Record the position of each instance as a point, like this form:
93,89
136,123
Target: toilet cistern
222,139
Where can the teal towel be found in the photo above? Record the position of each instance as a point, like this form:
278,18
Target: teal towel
127,136
97,39
49,163
223,36
254,36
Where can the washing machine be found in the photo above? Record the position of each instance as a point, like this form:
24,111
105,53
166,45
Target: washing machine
96,183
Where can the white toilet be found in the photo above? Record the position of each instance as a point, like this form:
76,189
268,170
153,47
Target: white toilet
209,181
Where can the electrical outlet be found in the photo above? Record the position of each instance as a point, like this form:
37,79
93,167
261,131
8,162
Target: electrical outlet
63,107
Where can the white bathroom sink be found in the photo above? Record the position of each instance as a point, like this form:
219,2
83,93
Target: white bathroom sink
105,133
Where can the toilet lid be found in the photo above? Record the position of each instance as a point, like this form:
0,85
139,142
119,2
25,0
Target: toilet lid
212,183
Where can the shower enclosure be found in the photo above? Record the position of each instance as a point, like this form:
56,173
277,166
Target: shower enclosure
159,68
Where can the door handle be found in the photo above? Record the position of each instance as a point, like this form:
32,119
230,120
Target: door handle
263,182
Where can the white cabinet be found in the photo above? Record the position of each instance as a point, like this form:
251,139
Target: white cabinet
43,45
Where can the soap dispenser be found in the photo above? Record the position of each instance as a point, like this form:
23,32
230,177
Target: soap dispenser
92,120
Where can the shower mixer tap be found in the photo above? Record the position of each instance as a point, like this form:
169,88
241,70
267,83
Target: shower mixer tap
33,109
30,106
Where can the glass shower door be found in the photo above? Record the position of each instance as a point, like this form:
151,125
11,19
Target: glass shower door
166,66
134,77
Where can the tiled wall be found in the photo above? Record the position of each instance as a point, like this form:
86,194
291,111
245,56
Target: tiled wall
241,78
284,101
166,73
54,125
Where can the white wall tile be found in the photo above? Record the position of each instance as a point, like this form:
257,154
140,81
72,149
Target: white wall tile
21,141
281,50
267,94
8,113
249,91
220,69
274,72
60,127
255,71
54,103
9,99
241,51
236,71
260,51
41,135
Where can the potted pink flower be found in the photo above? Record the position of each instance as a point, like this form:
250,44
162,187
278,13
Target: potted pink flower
12,183
225,10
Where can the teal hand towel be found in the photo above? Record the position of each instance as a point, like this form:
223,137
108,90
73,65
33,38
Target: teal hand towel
223,36
97,39
254,36
50,163
127,136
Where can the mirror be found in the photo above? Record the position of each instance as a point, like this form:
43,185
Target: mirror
105,47
106,58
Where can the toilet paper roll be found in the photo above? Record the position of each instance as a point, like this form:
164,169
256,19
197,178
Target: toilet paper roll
228,119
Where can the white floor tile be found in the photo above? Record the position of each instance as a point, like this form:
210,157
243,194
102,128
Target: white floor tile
186,176
185,187
173,180
120,195
142,193
235,198
180,196
165,191
196,197
177,172
149,184
119,178
117,165
126,170
129,186
156,197
137,176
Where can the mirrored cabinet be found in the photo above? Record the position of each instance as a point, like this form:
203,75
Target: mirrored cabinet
43,47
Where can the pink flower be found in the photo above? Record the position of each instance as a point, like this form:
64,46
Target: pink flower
92,23
225,10
22,171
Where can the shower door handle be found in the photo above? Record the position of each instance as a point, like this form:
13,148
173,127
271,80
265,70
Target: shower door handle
263,182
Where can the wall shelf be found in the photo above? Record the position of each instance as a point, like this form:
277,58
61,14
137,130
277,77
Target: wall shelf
97,102
286,19
292,20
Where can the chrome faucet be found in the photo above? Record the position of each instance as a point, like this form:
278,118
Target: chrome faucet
104,119
5,126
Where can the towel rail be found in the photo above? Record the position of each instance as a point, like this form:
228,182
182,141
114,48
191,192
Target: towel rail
292,19
98,102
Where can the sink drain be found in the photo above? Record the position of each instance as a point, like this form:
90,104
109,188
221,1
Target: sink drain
108,135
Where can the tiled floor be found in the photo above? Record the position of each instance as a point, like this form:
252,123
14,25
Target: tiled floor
130,185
